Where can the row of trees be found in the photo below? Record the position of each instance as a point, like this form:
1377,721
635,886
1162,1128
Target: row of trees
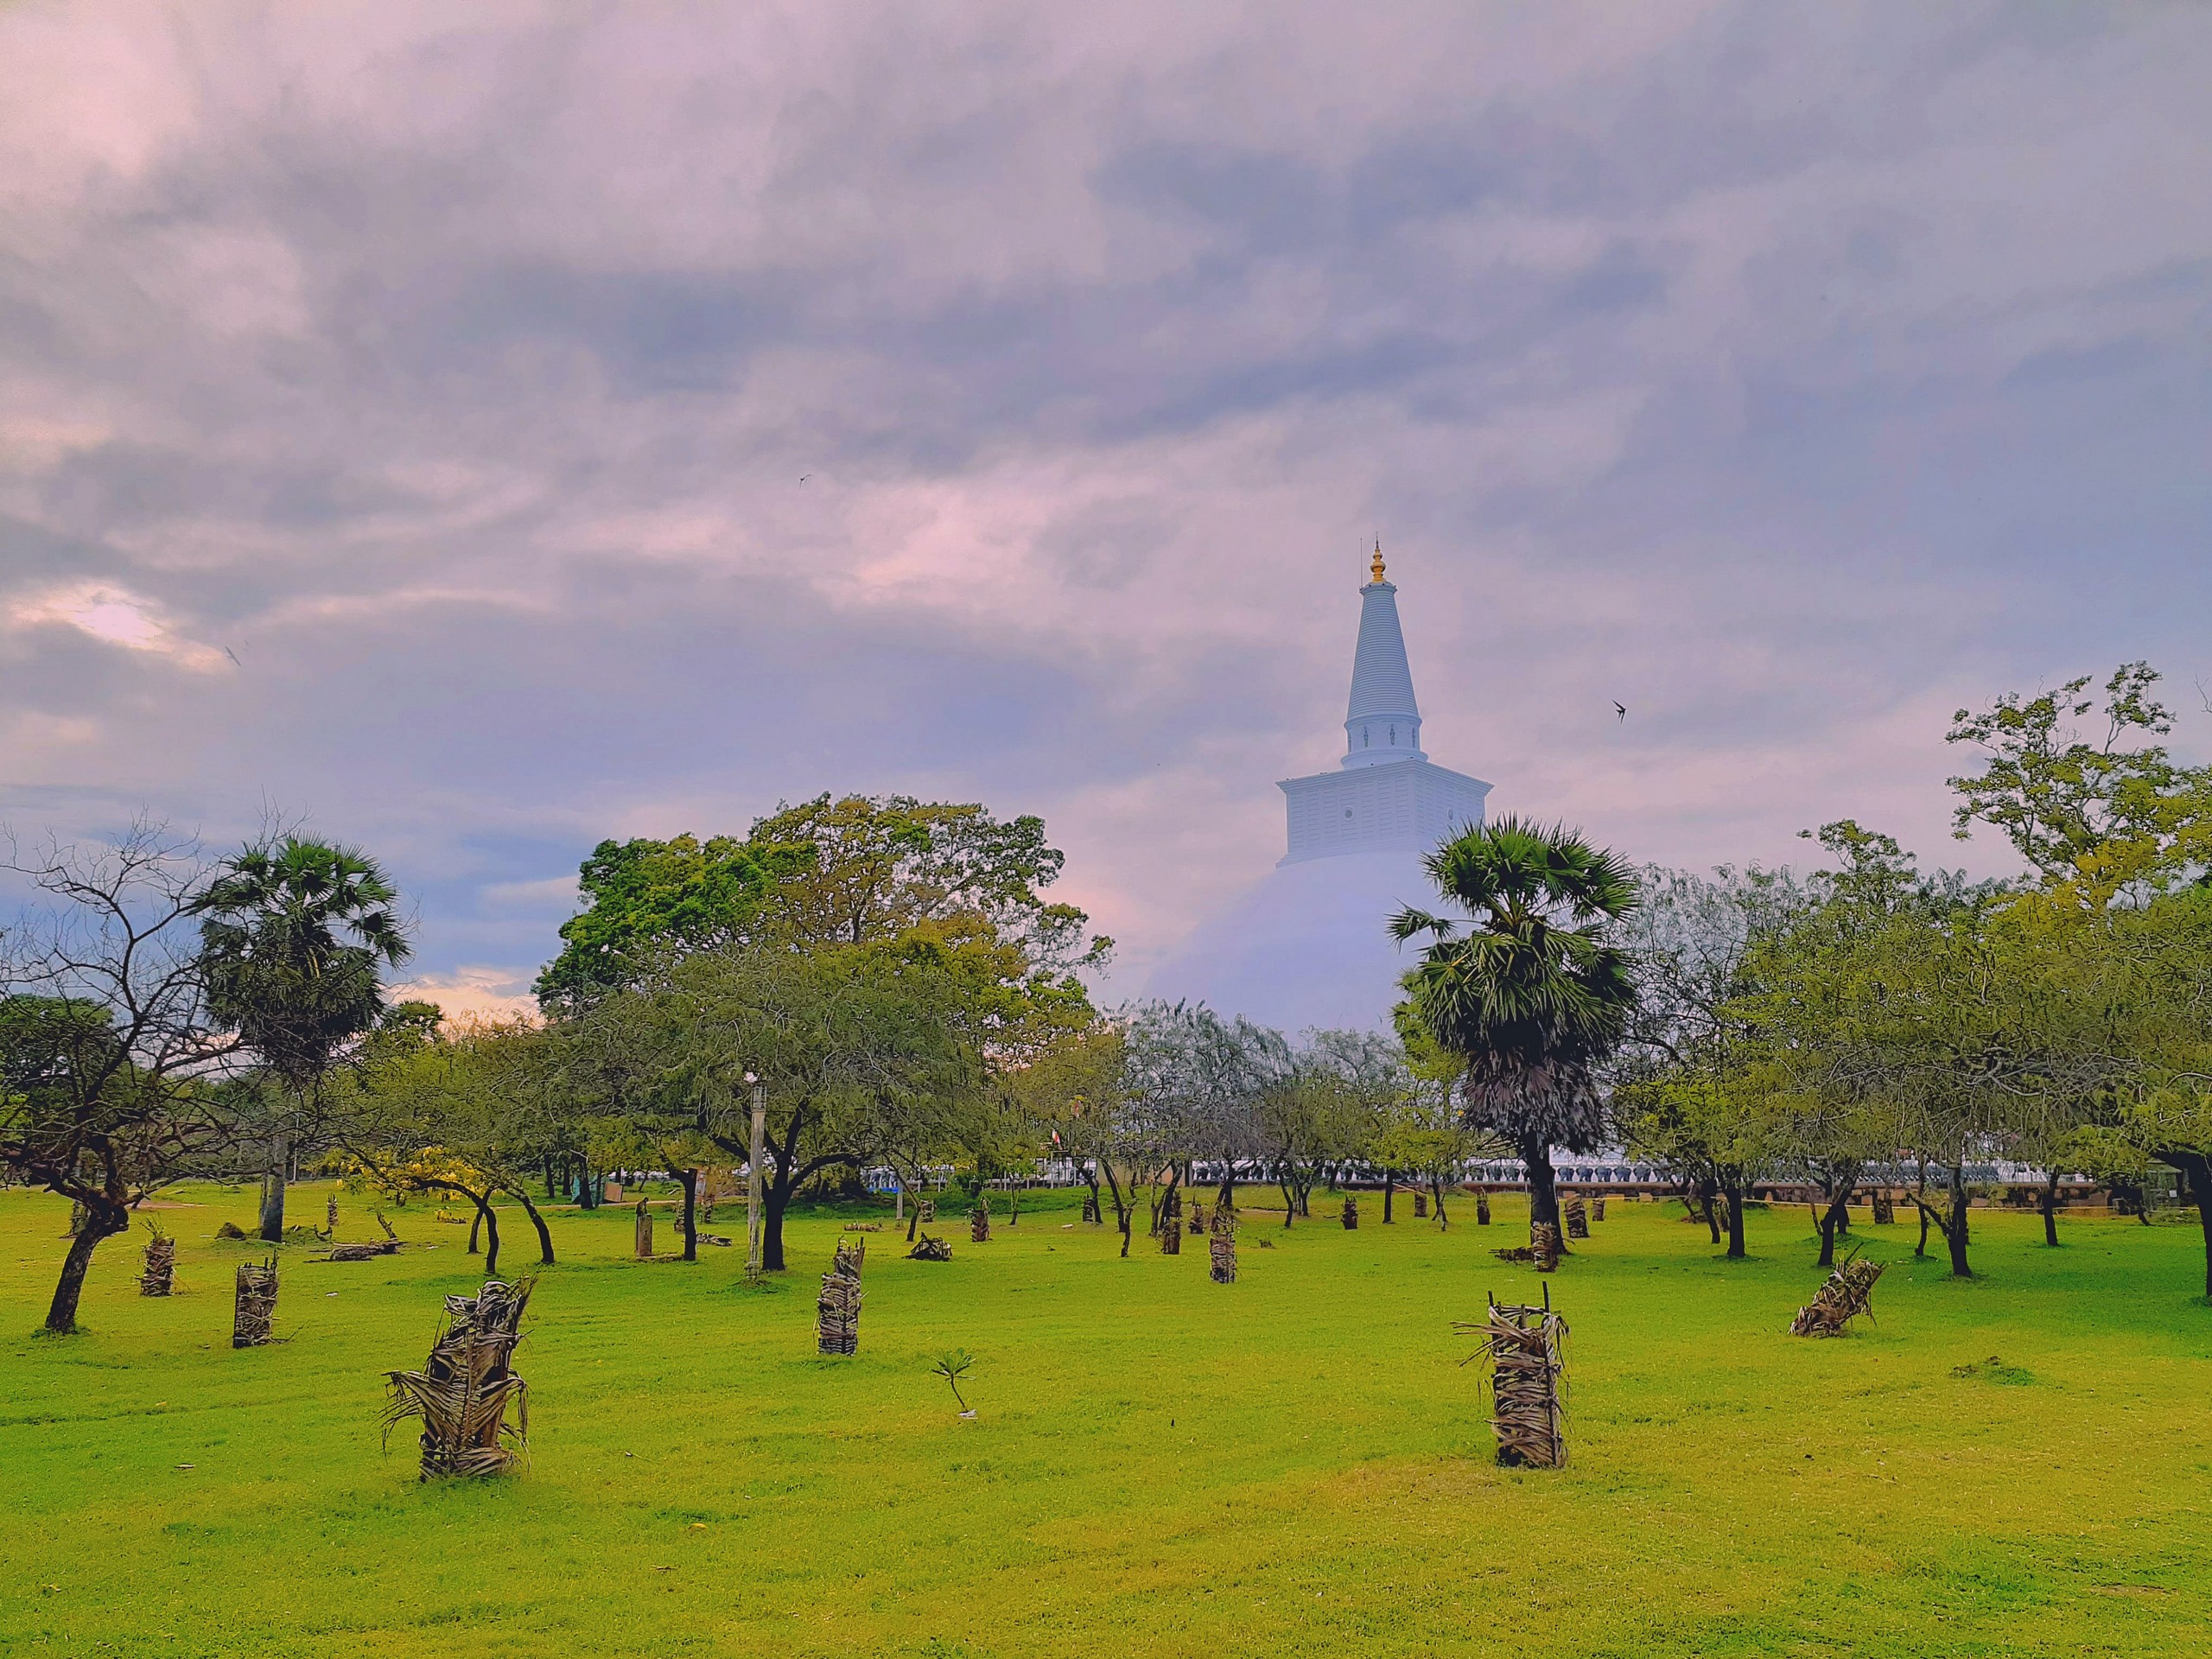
1874,1021
887,978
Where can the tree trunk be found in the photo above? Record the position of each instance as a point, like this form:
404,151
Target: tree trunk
1543,1187
1955,1234
61,1314
1228,1193
1834,1220
1708,1194
691,1180
1443,1221
1390,1186
774,1198
588,1185
544,1237
475,1232
2198,1167
1732,1191
2050,1206
272,1199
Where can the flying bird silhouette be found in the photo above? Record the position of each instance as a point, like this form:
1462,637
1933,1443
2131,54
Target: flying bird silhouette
1620,709
233,656
802,477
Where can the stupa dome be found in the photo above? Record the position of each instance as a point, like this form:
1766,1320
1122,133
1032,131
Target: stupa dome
1308,945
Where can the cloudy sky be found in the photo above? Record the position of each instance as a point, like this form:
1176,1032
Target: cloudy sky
483,438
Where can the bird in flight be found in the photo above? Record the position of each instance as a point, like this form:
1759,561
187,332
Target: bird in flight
233,656
802,477
1620,709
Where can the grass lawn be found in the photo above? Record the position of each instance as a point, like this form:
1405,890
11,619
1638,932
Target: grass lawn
1159,1465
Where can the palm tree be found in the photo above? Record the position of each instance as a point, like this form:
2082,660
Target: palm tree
294,934
1525,996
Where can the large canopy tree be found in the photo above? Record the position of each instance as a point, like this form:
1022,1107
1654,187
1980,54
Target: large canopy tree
294,934
1522,988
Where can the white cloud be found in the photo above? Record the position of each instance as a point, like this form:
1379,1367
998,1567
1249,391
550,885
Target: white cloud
115,616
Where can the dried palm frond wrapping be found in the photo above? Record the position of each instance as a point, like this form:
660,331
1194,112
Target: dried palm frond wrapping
979,1224
1223,1248
928,1208
363,1252
1543,1246
1197,1220
1420,1206
1482,1209
1848,1292
254,1313
1091,1209
1527,1349
930,1249
1578,1219
463,1394
837,1311
160,1277
330,1214
645,1232
1884,1210
1170,1236
1597,1208
1351,1213
1224,1219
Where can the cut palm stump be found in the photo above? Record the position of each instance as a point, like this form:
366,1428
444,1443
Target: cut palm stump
330,1214
1197,1220
1848,1292
1578,1219
1221,1247
1091,1209
1526,1347
1482,1209
1351,1213
1171,1235
979,1225
160,1277
930,1249
837,1311
463,1393
645,1232
928,1208
255,1311
1597,1208
1420,1206
1884,1210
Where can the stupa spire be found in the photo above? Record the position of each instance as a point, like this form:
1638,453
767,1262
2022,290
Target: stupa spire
1383,721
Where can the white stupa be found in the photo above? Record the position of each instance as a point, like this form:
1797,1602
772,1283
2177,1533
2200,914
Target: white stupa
1309,946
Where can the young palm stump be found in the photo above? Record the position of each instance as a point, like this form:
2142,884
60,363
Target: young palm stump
1848,1292
254,1313
1482,1209
1526,1348
1091,1209
330,1215
1221,1247
1578,1219
463,1394
1351,1213
645,1241
979,1225
1884,1210
1197,1220
837,1311
1420,1206
928,1209
1597,1208
1543,1246
160,1277
1171,1235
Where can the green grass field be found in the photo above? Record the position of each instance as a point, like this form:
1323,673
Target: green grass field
1159,1465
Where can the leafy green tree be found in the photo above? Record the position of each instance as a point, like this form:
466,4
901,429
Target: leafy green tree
1525,991
2098,817
294,934
646,899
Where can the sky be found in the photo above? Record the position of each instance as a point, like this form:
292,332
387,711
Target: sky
478,438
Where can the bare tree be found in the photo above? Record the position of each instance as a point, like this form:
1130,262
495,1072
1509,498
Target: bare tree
111,1083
